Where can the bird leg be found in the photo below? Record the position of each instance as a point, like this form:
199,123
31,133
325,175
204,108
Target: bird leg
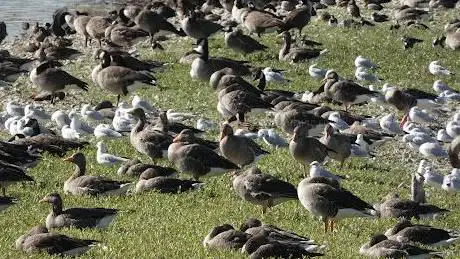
86,41
231,119
240,117
4,191
331,225
326,224
305,173
264,209
403,120
118,100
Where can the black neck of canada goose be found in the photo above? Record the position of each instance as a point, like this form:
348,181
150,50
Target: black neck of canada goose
262,81
205,48
139,113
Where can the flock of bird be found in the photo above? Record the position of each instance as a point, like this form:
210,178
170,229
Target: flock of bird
318,132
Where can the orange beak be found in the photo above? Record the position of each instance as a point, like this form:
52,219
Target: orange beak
43,200
178,138
403,120
69,159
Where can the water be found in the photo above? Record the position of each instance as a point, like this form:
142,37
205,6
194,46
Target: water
15,12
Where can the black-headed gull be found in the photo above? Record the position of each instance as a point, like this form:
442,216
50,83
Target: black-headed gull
453,128
317,170
105,158
316,72
436,69
362,74
88,114
205,125
361,61
418,115
443,136
432,150
271,138
389,124
432,178
273,76
14,109
105,131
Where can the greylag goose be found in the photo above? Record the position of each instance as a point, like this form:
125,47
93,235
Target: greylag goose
346,92
240,42
307,149
339,143
196,159
96,27
55,145
262,189
408,13
152,23
81,184
295,55
199,28
395,207
454,152
261,246
260,21
299,17
76,217
203,66
239,149
38,239
407,232
254,227
47,77
136,168
380,246
151,142
225,237
148,181
325,198
10,174
288,119
117,79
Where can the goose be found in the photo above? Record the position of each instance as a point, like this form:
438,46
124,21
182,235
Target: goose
196,159
124,36
199,28
406,12
47,77
295,55
380,246
346,92
239,150
288,119
257,21
76,217
225,237
452,38
126,60
136,168
454,152
104,158
325,198
55,145
96,26
164,184
153,143
299,17
203,66
262,189
10,174
239,42
340,144
39,239
407,232
307,149
262,246
81,184
395,207
152,23
239,11
79,24
254,227
353,9
119,80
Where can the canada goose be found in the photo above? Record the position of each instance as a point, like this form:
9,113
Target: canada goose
196,159
287,53
263,246
76,217
199,28
124,36
152,23
225,237
3,32
80,23
407,232
164,184
151,142
395,207
239,11
203,66
117,79
53,52
10,174
451,38
39,33
126,60
346,92
239,149
340,144
218,79
380,246
325,198
47,77
353,9
262,189
299,17
454,152
81,184
96,26
256,21
38,239
240,42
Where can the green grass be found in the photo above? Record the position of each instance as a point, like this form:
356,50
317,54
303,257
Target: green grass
153,225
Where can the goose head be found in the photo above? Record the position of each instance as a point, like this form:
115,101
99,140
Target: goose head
138,113
226,130
55,200
78,159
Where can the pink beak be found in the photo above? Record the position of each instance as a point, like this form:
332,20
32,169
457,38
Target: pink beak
403,120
